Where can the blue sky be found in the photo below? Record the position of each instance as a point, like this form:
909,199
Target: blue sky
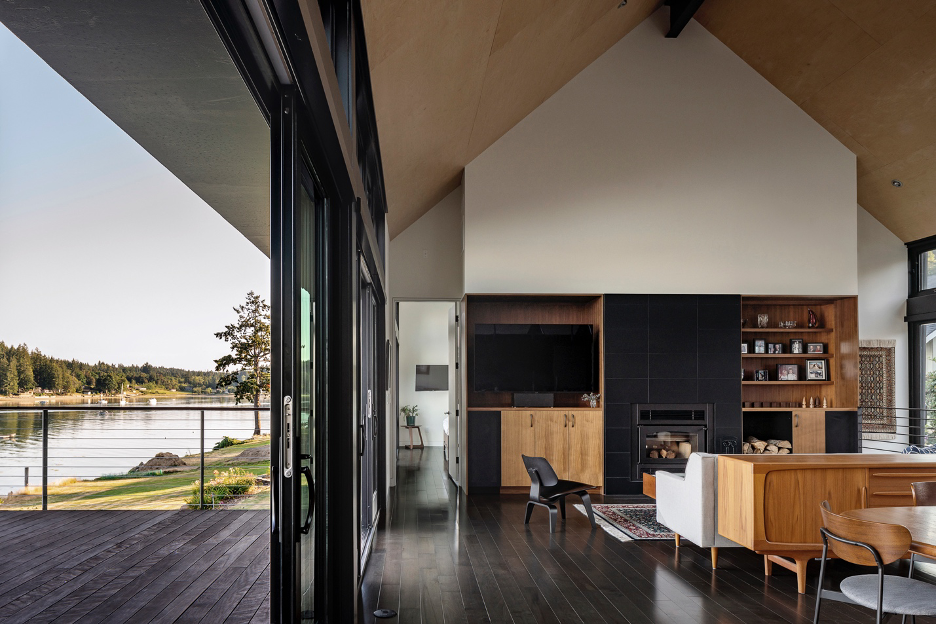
104,254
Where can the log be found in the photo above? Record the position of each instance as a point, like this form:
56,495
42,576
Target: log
670,455
751,439
784,451
654,454
771,449
759,445
780,443
746,448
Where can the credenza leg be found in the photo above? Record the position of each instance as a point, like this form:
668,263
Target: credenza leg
768,566
714,557
676,539
801,575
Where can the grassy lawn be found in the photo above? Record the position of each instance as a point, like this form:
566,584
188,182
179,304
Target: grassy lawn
167,491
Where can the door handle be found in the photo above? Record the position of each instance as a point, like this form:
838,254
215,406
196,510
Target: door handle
573,420
531,420
565,420
796,420
363,441
307,525
287,437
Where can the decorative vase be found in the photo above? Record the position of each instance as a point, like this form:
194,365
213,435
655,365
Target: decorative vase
593,403
410,421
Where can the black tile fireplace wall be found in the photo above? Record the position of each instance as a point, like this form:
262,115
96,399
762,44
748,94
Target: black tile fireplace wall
668,349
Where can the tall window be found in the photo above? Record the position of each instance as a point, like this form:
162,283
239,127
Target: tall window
921,322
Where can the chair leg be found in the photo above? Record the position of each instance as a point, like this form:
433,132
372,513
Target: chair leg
586,502
714,557
562,506
819,588
676,539
529,512
768,566
552,518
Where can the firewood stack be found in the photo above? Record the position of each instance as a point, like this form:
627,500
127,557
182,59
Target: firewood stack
753,446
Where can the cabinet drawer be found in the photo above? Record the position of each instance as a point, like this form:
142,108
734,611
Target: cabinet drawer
890,487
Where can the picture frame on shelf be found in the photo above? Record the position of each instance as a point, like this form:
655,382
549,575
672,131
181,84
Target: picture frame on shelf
787,372
760,346
763,320
796,345
817,370
760,375
815,347
775,348
744,347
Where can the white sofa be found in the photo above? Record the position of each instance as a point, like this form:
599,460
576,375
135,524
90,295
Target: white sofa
688,504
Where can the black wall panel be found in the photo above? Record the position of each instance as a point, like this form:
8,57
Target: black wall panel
668,349
484,451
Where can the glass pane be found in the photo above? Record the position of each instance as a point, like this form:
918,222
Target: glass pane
928,270
928,336
306,393
671,444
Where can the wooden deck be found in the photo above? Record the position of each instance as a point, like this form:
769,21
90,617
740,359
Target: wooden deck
134,566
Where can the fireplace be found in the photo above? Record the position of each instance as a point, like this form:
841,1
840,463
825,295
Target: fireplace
666,434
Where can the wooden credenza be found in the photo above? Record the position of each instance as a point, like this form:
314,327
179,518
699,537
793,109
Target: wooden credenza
570,439
770,503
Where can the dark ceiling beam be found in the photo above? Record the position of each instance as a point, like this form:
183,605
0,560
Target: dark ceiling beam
680,12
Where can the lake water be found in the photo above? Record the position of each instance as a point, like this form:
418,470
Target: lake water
89,444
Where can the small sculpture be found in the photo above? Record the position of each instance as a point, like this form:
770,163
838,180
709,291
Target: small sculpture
813,319
812,402
825,402
804,402
762,320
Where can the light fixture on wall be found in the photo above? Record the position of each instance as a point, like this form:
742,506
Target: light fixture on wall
897,183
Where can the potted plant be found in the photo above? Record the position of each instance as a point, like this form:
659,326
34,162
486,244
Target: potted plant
410,412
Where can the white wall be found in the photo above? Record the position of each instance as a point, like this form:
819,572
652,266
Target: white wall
882,299
423,340
427,257
666,166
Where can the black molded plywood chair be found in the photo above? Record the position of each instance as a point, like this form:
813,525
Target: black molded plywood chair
546,488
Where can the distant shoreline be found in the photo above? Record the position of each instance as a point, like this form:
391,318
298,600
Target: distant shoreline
28,401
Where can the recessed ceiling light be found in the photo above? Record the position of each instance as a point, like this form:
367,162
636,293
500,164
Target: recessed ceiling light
897,183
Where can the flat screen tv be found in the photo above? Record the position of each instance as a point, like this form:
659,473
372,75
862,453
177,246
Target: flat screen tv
534,358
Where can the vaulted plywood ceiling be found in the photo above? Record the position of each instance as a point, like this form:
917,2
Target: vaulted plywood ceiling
450,77
866,71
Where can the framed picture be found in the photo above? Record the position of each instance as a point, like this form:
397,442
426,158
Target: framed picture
787,372
744,347
774,347
760,375
796,345
762,320
760,346
815,347
816,370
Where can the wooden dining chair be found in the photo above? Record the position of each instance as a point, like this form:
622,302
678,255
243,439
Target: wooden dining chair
924,493
546,489
872,544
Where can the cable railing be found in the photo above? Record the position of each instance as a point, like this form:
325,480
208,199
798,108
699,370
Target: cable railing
132,456
897,429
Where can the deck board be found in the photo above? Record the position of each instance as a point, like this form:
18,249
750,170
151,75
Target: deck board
134,566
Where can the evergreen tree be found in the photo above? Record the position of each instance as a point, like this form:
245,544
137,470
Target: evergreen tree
10,380
24,367
247,366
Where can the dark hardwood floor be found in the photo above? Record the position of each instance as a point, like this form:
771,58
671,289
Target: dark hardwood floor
134,566
450,558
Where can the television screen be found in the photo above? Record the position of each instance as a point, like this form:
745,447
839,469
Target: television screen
534,358
431,377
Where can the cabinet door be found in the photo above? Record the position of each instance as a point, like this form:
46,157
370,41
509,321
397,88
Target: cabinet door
551,430
809,431
586,458
516,440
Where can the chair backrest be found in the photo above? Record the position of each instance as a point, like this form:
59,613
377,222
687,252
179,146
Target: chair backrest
891,541
546,473
924,493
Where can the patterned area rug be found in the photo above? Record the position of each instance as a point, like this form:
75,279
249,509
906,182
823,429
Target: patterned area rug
876,389
630,522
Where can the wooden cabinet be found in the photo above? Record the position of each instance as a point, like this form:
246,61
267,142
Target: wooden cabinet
586,452
808,431
571,440
516,439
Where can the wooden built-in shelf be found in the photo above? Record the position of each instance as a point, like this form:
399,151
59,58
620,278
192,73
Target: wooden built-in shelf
781,330
788,383
811,356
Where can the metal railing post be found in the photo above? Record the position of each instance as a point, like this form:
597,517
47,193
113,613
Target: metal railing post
45,460
201,479
26,480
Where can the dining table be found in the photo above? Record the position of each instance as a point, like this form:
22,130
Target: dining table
920,521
